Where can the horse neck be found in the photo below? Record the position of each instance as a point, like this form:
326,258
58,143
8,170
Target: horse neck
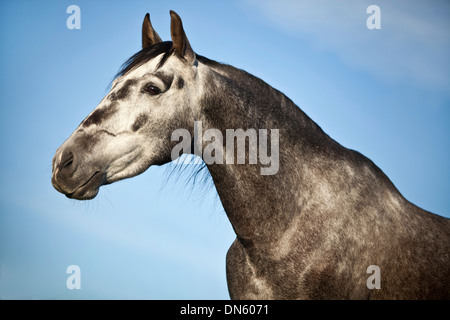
260,205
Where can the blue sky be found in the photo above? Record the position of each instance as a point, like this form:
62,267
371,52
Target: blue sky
382,92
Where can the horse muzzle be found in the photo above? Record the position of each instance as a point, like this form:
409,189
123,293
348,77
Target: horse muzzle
72,178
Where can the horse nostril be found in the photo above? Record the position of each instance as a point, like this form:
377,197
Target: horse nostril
68,163
67,160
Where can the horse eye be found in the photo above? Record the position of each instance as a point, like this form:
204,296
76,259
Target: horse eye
152,90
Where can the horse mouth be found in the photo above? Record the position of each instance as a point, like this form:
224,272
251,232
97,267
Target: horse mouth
89,189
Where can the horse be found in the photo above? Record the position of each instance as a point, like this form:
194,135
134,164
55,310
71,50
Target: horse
326,224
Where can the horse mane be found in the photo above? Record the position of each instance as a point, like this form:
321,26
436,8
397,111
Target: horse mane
145,55
166,47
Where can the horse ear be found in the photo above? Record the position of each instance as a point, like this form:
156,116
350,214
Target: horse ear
179,39
149,35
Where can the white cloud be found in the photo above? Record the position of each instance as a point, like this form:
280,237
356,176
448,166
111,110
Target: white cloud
412,46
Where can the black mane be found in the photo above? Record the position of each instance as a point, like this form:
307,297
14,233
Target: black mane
145,55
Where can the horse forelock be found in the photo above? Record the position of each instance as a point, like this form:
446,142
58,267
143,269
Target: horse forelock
145,55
